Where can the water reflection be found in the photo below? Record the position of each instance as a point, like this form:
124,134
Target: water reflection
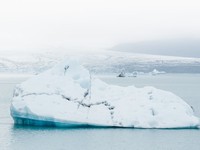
103,138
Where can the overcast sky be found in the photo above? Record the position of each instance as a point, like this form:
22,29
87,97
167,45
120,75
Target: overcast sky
93,24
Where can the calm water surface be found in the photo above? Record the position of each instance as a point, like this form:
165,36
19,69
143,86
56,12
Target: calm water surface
186,86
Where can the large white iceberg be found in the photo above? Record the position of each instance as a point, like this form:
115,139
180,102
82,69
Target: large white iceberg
66,95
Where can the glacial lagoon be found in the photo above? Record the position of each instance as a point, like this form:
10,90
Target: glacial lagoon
186,86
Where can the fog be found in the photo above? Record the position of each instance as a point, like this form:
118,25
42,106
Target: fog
69,25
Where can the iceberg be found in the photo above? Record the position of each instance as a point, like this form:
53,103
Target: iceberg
67,96
156,72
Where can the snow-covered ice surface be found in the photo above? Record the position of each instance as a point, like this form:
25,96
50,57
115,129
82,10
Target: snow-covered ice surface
67,95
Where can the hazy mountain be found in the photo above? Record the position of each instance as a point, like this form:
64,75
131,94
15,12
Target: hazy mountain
176,47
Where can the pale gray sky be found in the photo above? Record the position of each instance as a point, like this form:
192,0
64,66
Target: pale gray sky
93,24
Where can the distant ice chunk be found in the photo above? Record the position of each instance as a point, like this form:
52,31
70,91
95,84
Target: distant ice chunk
67,96
156,72
122,74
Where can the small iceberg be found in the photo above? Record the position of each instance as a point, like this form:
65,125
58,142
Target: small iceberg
134,74
122,74
66,95
156,72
